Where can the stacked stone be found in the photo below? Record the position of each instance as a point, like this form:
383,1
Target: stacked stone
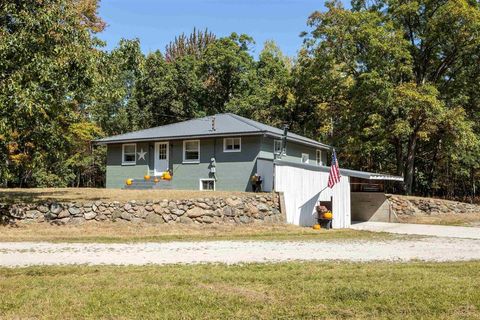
240,210
427,206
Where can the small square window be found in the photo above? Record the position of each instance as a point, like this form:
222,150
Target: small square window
305,158
129,154
207,184
232,144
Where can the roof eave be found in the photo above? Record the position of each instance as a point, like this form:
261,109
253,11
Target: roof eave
344,172
105,142
308,143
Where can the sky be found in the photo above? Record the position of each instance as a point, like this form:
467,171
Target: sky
157,22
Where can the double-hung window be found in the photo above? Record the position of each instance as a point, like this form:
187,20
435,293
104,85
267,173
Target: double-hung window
191,151
232,144
129,154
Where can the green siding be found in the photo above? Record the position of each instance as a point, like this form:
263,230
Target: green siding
233,169
294,151
118,173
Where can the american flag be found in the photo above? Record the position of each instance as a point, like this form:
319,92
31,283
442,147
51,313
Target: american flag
334,175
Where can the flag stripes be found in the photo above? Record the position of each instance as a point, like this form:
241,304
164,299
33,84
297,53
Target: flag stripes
334,176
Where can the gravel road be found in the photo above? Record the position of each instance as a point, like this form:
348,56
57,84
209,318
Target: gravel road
14,254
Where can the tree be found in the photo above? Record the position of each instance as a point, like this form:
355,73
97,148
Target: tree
228,71
115,107
271,90
401,58
193,45
47,67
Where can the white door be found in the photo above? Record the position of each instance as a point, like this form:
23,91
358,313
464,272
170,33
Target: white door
161,157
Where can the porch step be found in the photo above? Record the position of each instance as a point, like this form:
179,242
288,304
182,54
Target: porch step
142,184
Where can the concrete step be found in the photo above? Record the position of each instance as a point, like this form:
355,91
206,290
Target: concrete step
142,184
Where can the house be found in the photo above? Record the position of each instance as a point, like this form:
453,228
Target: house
219,152
223,151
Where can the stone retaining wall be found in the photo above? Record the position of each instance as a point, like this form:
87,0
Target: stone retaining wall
402,205
257,208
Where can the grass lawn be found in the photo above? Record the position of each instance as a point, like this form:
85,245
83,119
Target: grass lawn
457,219
127,232
93,194
253,291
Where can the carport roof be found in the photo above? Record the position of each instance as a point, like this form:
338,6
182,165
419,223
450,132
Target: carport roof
226,124
343,172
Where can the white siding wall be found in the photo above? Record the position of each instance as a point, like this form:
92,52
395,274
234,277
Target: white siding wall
303,188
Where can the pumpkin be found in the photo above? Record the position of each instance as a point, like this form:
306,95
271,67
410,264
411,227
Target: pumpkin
129,182
167,176
328,215
316,227
156,180
146,177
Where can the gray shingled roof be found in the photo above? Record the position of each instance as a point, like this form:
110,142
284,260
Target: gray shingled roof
226,124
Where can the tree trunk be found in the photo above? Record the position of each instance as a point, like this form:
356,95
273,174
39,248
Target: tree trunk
399,157
410,163
472,181
433,167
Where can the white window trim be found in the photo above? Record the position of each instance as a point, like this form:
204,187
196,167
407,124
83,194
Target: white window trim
308,158
129,163
225,144
319,159
188,160
278,141
201,184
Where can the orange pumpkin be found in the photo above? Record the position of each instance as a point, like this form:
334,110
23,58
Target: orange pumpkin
328,215
316,227
156,180
129,182
146,177
167,176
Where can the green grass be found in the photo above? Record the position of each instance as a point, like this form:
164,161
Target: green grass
125,232
253,291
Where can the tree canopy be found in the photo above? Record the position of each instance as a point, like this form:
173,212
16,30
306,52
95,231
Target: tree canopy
394,85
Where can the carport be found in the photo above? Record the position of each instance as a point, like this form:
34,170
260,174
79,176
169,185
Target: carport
358,197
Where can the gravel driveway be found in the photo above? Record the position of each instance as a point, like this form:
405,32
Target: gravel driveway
428,249
420,229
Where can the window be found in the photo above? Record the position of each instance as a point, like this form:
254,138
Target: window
277,146
305,157
129,154
162,151
232,144
191,151
319,158
207,184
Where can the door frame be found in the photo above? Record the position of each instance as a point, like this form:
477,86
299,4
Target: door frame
157,150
